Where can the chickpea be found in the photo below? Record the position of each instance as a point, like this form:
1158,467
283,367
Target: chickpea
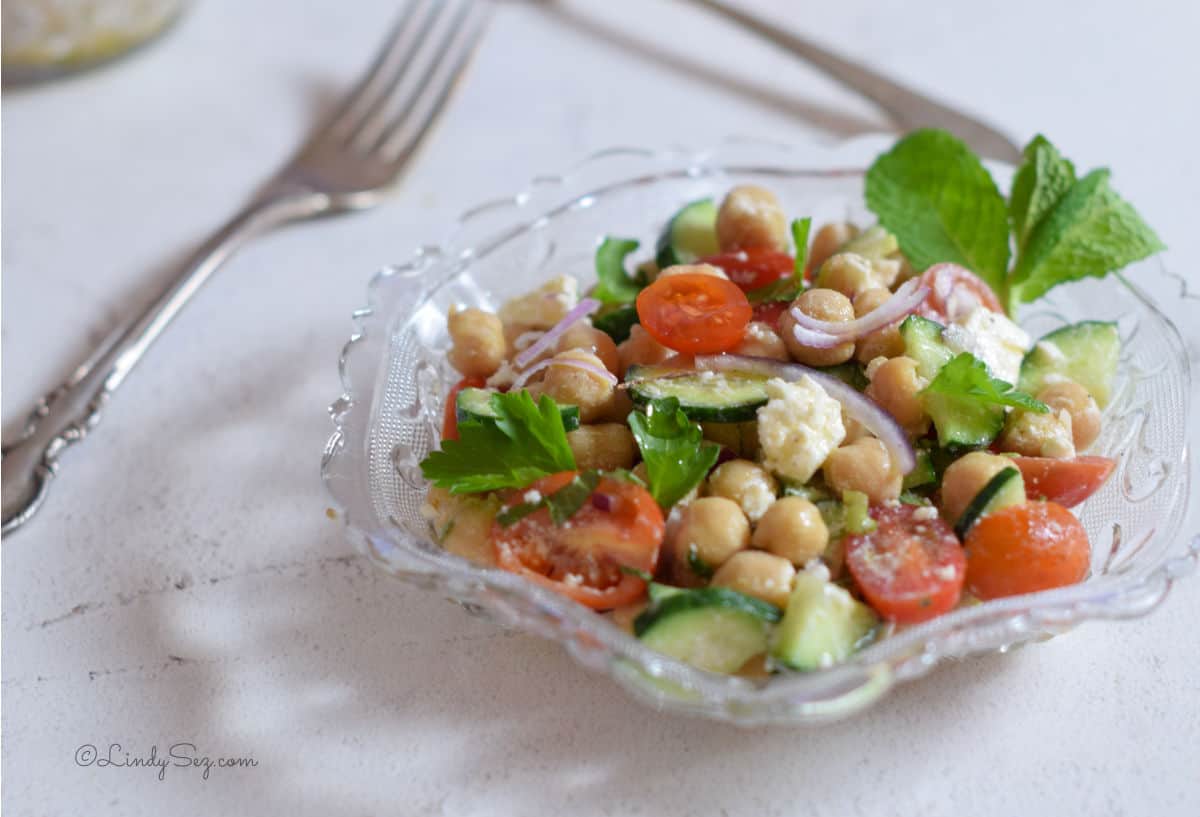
1074,399
606,446
896,386
885,342
461,524
712,529
854,429
751,216
1039,435
590,339
848,273
746,483
760,340
479,345
865,466
573,386
793,529
965,477
758,574
828,240
641,349
826,305
693,269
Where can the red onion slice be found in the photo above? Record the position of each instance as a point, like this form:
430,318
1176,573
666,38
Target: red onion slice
816,340
902,303
585,307
583,365
857,405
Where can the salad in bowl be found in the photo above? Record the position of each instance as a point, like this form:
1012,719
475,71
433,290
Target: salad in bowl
764,444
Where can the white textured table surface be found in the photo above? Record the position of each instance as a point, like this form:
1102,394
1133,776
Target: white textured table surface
184,586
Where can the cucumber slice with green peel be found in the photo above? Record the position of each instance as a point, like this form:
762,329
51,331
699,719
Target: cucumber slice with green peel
923,473
850,373
476,404
1005,489
713,628
727,397
658,592
1084,352
616,322
691,234
963,424
823,625
923,343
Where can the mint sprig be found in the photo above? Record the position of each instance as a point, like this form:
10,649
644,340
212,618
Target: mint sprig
615,286
936,196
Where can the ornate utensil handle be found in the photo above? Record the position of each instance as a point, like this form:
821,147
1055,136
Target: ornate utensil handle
66,415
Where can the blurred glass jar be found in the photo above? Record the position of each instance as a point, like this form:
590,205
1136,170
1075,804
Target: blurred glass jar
45,38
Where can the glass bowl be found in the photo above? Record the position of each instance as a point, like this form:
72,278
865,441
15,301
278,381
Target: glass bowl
395,376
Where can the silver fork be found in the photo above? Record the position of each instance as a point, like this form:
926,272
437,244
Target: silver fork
346,164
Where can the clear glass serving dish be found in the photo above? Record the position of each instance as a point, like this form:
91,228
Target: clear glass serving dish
395,375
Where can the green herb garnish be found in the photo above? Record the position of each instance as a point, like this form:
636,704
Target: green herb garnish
562,504
941,203
615,285
789,288
524,442
965,377
676,454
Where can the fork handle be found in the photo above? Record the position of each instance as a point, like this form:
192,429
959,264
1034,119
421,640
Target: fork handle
66,415
906,107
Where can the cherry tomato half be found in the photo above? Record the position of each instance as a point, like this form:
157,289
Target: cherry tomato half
754,267
908,569
620,525
953,292
450,413
770,312
694,313
1067,482
1024,549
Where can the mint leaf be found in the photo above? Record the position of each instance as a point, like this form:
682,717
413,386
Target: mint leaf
940,202
1039,184
673,447
789,288
1091,231
523,443
615,286
965,377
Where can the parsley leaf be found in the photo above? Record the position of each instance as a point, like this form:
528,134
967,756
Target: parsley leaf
1039,184
524,442
673,447
966,377
789,288
615,286
941,203
1091,231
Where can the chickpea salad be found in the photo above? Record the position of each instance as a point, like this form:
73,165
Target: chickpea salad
759,451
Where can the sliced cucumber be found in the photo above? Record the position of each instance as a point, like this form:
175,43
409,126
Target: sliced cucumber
1005,489
689,235
923,473
923,343
963,423
616,321
657,592
822,626
713,628
476,404
711,396
1085,352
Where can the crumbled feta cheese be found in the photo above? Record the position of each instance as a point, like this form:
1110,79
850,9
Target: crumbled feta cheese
532,496
798,428
503,377
992,338
545,306
757,494
816,567
760,332
925,513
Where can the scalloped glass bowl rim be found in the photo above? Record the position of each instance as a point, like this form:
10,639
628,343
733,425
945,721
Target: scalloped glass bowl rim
595,642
